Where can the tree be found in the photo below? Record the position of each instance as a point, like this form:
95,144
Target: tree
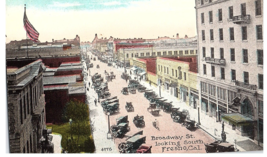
77,111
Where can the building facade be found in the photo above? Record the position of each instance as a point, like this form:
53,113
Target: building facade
230,46
26,106
174,76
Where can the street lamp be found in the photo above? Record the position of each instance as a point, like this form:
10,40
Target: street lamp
109,136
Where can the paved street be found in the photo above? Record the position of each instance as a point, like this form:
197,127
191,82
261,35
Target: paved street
192,140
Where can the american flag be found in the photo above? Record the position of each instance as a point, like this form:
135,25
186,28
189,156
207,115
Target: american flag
32,33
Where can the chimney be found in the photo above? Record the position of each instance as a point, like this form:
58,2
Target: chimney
185,36
95,35
177,35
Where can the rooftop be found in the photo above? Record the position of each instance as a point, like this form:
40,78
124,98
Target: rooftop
59,80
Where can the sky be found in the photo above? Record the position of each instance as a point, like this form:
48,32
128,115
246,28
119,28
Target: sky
58,19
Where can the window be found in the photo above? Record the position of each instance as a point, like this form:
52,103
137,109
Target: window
164,53
260,57
158,53
184,75
196,51
204,69
231,12
258,7
246,77
127,55
202,2
170,53
167,70
210,17
260,78
132,54
176,73
211,34
233,74
211,52
21,111
221,33
164,70
172,72
210,1
232,33
243,9
203,34
259,32
175,53
232,51
212,71
136,55
147,54
186,52
142,54
220,14
153,53
221,53
244,33
245,56
181,52
191,51
204,52
159,67
222,74
202,18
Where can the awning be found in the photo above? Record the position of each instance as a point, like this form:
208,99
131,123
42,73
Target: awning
142,73
237,119
133,68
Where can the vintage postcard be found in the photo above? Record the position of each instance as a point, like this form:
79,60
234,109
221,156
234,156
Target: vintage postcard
134,76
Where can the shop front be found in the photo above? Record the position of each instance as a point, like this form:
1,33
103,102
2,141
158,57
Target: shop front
167,85
184,92
174,89
193,98
204,105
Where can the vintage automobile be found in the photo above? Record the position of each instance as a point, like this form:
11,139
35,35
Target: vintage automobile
133,82
101,87
102,94
97,66
132,90
189,124
219,146
111,108
154,112
125,76
94,59
125,90
179,116
139,121
112,75
129,107
110,100
96,76
109,64
91,65
148,93
167,106
132,143
154,99
98,80
141,88
144,148
104,105
119,130
160,103
122,119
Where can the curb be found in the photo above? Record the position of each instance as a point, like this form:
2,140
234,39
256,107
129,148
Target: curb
201,127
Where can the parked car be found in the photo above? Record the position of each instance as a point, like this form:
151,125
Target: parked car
219,146
139,121
167,106
124,90
119,130
129,107
144,148
111,108
179,116
132,143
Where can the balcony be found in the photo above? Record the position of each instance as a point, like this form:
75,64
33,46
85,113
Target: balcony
215,61
245,85
241,19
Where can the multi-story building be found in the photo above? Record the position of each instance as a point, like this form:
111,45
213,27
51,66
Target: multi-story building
178,76
26,105
230,61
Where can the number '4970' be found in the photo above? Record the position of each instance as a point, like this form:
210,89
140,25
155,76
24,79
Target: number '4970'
106,149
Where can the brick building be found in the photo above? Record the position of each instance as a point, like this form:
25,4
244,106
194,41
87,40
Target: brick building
26,105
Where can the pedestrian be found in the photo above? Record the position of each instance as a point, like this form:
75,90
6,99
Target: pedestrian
95,102
89,84
140,79
126,80
130,72
150,83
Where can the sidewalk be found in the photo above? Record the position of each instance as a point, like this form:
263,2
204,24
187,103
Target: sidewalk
99,124
208,124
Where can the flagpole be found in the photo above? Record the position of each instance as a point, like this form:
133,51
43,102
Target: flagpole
26,30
